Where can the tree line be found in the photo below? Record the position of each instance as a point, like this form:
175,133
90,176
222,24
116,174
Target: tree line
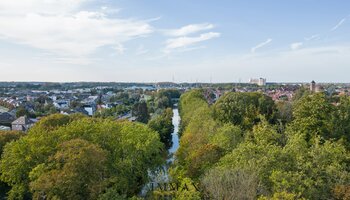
246,146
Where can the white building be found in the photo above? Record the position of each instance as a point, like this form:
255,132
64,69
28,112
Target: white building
258,81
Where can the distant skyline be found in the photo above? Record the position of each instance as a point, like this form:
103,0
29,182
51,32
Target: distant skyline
183,40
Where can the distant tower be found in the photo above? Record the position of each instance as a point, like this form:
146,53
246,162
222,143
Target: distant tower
313,86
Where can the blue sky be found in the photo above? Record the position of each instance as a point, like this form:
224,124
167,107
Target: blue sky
184,40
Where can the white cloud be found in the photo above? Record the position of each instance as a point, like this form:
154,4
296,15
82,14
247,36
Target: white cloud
253,49
39,6
339,24
323,63
296,45
119,48
187,41
313,37
189,29
141,50
65,31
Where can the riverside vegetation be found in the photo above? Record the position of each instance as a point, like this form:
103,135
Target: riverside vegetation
244,146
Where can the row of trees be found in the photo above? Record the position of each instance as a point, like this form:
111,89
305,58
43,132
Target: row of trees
245,146
76,157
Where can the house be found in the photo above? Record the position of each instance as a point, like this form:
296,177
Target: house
90,109
22,124
6,118
61,104
76,110
5,128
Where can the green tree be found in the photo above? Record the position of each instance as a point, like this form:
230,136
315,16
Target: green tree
299,93
227,137
341,120
189,103
230,184
132,150
284,111
21,111
6,137
312,116
77,171
163,125
242,109
140,111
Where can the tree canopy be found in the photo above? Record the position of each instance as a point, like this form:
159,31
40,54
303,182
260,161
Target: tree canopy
270,150
101,153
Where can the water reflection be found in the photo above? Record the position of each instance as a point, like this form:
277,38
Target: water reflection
161,175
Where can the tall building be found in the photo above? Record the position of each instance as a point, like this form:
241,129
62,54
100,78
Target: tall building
258,81
313,86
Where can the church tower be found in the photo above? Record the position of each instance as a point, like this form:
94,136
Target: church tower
313,86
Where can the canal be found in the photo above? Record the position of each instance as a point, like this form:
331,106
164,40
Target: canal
162,175
175,134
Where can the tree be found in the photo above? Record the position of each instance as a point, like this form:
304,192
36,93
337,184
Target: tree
140,111
196,153
230,184
164,97
342,192
264,133
78,170
7,137
163,125
189,103
284,111
21,111
52,122
299,93
227,137
312,116
132,149
113,112
341,120
242,109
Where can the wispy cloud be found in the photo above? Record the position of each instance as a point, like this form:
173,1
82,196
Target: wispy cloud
141,50
268,41
185,41
40,6
119,48
312,37
341,22
60,26
189,29
296,45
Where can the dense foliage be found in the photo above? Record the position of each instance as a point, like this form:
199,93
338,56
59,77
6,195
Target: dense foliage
140,111
75,157
246,146
7,137
163,125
